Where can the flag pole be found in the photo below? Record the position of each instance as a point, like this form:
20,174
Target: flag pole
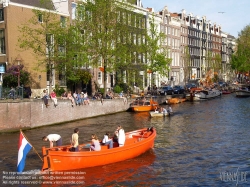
31,145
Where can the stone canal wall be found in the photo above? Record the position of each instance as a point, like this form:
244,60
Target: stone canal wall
31,113
15,115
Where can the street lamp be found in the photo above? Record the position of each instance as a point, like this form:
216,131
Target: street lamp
18,60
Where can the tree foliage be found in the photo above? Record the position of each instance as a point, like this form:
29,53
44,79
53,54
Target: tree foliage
240,60
107,38
44,34
156,53
10,78
186,63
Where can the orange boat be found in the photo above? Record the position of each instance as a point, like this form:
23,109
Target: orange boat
143,105
60,158
175,100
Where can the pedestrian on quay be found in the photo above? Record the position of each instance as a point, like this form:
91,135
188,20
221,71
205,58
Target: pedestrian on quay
45,98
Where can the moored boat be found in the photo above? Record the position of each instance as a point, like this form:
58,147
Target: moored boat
243,91
60,158
203,94
160,114
225,92
143,105
175,100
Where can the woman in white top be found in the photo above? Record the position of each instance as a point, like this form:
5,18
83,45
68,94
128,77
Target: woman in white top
121,136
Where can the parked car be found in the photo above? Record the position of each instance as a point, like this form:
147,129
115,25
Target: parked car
166,90
189,86
178,89
222,84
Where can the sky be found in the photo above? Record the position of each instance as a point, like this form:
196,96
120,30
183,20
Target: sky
232,15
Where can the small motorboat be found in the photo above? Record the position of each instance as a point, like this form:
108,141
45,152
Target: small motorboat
61,158
143,105
225,92
243,91
199,95
175,100
160,114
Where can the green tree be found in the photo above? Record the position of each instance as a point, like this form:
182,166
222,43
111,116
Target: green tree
186,63
103,25
10,77
43,34
155,50
217,66
240,60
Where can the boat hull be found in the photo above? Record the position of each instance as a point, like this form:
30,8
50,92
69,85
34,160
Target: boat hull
142,108
242,93
175,100
158,114
143,105
203,95
137,142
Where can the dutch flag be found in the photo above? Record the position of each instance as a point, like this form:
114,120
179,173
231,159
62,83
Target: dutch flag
24,148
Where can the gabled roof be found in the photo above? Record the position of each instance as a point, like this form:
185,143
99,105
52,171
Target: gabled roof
35,3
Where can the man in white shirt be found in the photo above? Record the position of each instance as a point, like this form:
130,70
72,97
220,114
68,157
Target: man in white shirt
107,141
53,138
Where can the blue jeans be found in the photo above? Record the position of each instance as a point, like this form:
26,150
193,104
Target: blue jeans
110,143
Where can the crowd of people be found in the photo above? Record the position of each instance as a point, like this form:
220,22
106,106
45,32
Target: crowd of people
118,136
77,98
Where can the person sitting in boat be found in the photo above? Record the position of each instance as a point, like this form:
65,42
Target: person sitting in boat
107,140
164,111
156,109
170,110
95,146
115,137
121,136
53,138
74,140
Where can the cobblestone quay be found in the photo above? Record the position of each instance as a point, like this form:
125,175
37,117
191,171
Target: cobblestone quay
25,114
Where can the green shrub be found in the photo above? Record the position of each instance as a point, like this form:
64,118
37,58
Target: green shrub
59,91
117,89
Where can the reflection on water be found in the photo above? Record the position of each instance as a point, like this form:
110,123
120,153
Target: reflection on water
199,145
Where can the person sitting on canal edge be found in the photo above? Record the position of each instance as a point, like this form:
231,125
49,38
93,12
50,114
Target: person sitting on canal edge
45,98
53,97
53,138
107,140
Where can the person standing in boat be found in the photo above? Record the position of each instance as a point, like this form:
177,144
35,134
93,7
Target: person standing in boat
74,140
121,136
53,138
107,140
95,143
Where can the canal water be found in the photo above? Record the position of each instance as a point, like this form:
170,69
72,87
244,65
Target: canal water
203,144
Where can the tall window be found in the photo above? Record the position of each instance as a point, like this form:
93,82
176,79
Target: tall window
40,18
50,44
2,42
1,15
63,21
